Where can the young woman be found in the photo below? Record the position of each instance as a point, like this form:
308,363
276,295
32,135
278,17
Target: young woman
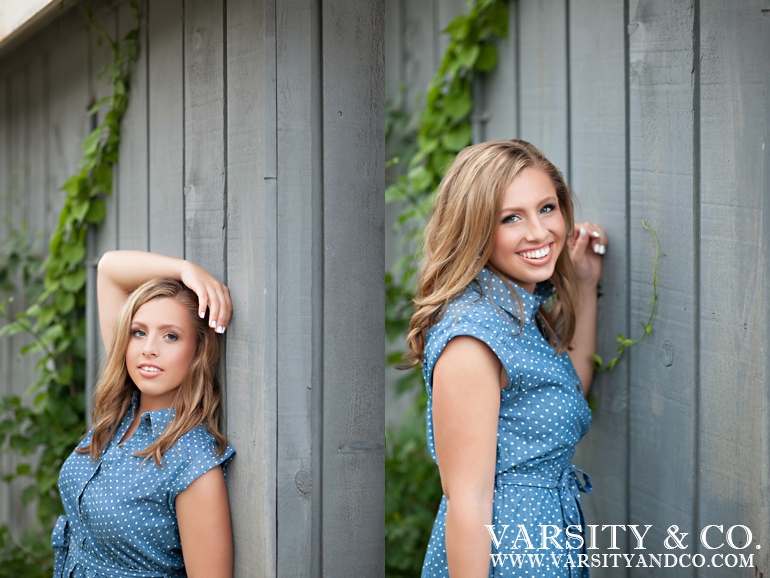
144,492
504,323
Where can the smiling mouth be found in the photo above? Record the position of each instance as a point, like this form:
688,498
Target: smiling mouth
150,369
538,254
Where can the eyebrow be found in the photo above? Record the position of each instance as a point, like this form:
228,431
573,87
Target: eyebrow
162,327
551,199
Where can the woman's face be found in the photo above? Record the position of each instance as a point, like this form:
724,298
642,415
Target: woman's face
531,231
160,350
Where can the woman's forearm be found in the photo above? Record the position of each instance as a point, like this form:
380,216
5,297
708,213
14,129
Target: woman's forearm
468,542
129,269
584,340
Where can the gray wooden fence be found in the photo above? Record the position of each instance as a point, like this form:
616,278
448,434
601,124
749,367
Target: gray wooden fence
253,146
654,110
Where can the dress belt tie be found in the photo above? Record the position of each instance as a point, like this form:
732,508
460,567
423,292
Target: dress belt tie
569,486
68,554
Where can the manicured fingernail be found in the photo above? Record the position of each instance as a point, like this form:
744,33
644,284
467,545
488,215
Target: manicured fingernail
212,323
604,249
582,232
597,249
202,314
595,234
220,329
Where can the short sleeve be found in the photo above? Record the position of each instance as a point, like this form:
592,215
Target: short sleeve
203,456
490,333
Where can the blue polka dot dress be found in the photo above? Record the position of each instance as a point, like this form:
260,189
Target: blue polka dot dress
542,416
120,517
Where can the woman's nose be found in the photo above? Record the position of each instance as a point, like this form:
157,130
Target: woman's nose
149,349
536,230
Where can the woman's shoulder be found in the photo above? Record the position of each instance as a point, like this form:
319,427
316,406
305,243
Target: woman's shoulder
471,308
197,441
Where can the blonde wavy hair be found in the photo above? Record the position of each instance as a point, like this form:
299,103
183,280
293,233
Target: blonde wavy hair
198,400
460,234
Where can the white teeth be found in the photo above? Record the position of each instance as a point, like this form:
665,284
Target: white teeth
148,368
539,254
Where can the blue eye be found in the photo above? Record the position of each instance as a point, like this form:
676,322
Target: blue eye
510,219
548,209
137,333
171,337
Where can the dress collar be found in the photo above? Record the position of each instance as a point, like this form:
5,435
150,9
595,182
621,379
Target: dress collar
159,419
489,284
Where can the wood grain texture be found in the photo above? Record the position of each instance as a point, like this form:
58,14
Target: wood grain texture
251,415
299,195
420,50
67,116
131,198
166,102
353,412
500,115
663,367
204,176
543,78
733,108
598,178
394,49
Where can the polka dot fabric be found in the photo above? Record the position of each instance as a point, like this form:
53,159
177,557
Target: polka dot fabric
120,517
542,416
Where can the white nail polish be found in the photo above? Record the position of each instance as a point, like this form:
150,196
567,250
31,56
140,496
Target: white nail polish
596,249
202,314
220,329
582,232
595,234
212,324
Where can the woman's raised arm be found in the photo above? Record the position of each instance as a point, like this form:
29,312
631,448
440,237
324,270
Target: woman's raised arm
120,272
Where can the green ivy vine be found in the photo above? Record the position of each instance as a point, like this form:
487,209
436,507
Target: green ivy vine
413,487
52,425
624,342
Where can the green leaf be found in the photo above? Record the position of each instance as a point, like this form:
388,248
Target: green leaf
73,253
421,178
458,138
458,106
74,281
487,59
96,212
98,105
79,210
468,54
64,302
458,27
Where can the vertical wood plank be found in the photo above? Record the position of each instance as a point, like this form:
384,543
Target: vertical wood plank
663,367
734,193
205,196
764,477
104,237
353,529
166,69
394,42
67,114
251,276
38,131
131,195
500,87
543,76
298,195
420,51
18,211
598,177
